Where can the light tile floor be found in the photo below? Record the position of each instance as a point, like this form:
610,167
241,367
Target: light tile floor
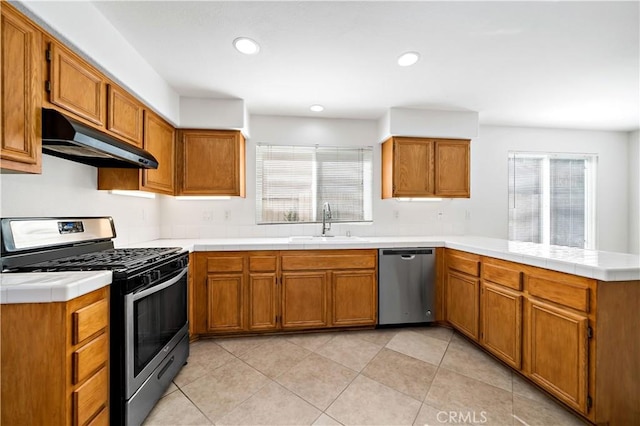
400,376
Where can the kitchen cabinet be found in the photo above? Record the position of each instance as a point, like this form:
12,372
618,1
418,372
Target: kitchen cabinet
58,372
260,291
462,292
211,162
159,142
20,93
501,310
125,115
569,335
75,86
425,167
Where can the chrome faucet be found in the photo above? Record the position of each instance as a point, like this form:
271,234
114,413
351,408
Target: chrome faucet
326,219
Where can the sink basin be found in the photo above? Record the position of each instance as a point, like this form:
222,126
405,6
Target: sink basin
320,238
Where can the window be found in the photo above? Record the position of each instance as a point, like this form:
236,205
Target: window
293,182
552,198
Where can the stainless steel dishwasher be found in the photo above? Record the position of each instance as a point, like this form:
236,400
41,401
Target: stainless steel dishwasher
406,285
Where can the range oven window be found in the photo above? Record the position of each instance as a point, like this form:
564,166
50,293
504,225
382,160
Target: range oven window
157,318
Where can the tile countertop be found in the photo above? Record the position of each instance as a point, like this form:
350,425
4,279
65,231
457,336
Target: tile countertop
45,287
600,265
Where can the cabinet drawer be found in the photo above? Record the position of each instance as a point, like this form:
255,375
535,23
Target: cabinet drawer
90,357
558,292
89,320
319,261
225,264
262,263
90,398
463,264
504,276
102,419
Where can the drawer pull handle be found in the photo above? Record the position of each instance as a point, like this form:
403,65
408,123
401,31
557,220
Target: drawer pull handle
166,367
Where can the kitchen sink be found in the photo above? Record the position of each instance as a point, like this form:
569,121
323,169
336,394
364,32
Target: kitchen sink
320,238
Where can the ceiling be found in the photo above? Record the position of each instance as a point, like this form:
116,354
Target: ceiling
544,64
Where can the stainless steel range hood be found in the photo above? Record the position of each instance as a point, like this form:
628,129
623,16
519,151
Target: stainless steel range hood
67,138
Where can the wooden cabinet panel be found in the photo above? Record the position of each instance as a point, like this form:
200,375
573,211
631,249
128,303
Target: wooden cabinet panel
102,419
452,168
355,298
159,142
462,303
90,398
20,93
125,115
263,263
413,171
555,290
425,167
263,301
468,264
328,259
558,348
225,302
226,263
304,300
211,162
502,323
90,320
76,86
90,357
508,277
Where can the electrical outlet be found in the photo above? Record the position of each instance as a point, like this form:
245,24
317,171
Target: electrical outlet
396,214
467,215
207,215
227,214
440,215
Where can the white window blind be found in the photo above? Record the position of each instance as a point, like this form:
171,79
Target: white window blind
552,199
293,182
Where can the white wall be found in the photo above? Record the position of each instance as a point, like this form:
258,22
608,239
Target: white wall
486,213
489,177
80,24
69,189
634,192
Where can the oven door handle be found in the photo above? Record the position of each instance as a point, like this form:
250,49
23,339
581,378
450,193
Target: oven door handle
159,287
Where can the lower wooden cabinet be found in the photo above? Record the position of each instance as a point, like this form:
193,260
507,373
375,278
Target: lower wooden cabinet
261,291
55,361
304,300
572,336
558,351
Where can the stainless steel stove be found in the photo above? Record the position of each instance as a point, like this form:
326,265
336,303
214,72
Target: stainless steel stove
148,320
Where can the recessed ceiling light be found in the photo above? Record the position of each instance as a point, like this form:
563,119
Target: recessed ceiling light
407,59
316,108
246,45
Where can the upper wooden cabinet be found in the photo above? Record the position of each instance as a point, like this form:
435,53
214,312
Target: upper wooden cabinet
76,86
424,167
125,115
211,162
159,142
21,93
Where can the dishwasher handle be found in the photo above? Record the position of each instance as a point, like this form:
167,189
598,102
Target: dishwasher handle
407,256
404,253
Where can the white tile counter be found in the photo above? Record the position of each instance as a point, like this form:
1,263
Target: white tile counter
45,287
601,265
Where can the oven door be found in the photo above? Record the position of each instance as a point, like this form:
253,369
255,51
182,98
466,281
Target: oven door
155,322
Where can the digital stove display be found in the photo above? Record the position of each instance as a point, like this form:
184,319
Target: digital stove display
70,227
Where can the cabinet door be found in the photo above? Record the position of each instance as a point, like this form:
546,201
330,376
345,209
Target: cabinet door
263,301
159,141
21,93
355,298
225,302
412,167
558,352
462,293
76,86
452,168
502,323
304,299
124,115
212,163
